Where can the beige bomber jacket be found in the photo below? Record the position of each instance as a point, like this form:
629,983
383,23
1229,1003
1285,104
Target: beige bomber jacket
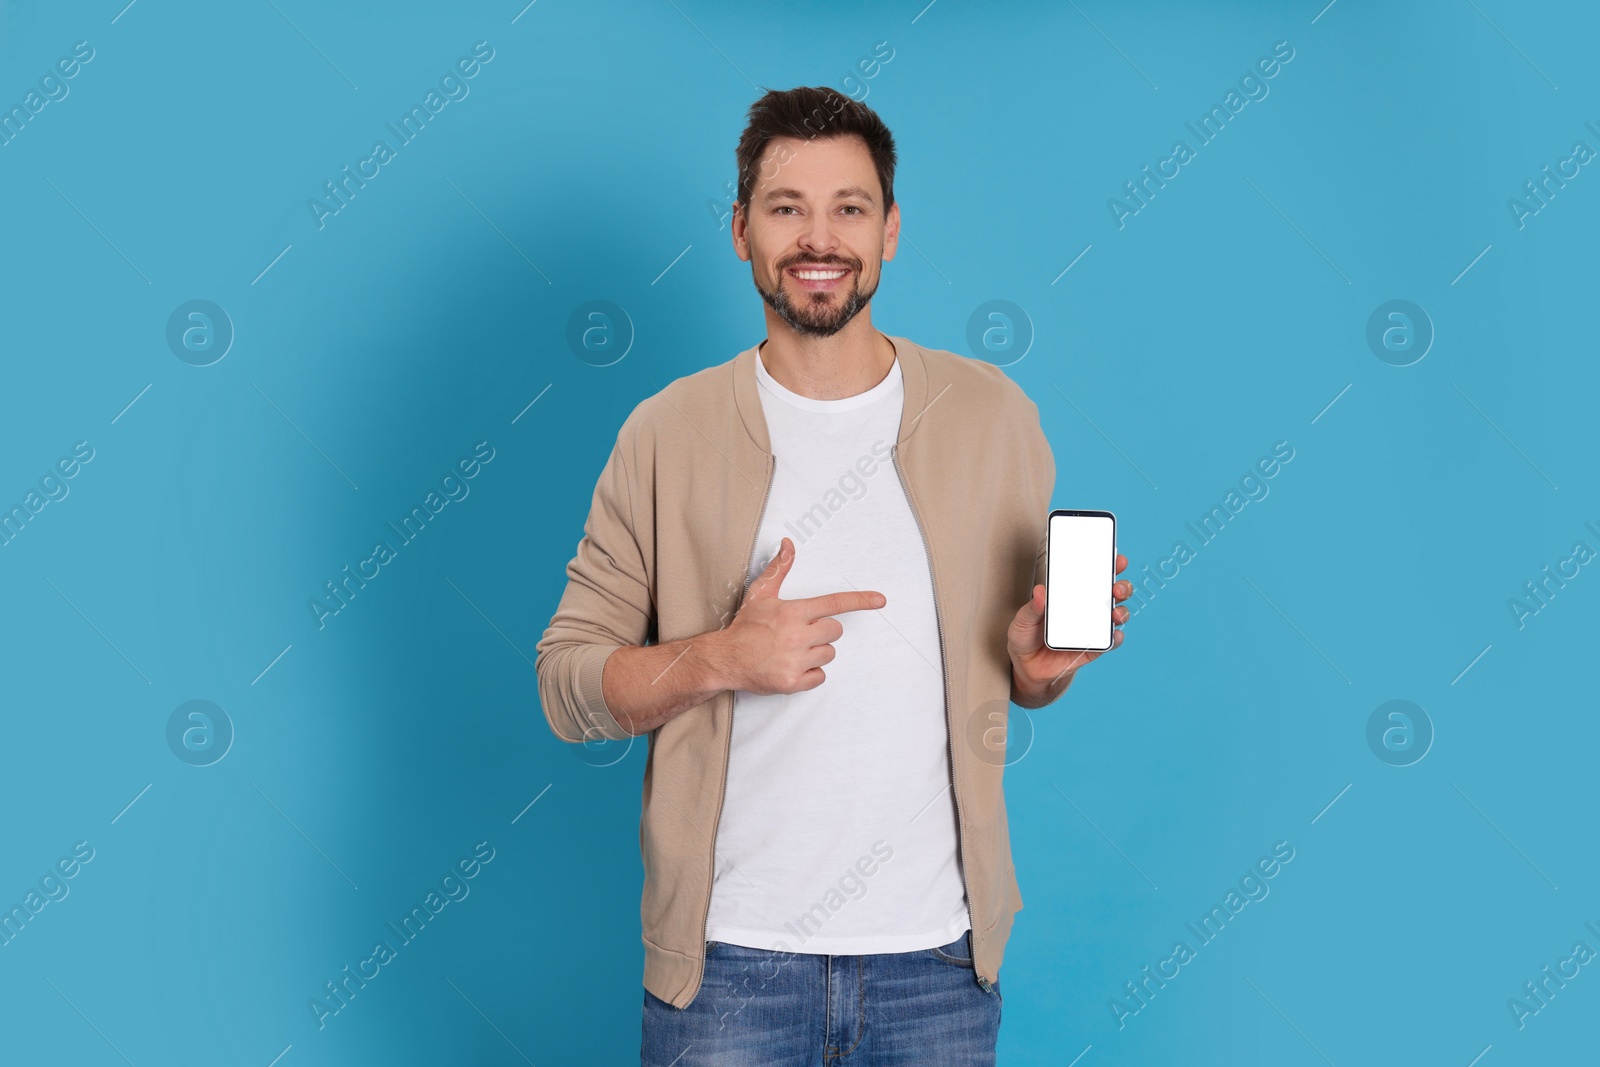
665,550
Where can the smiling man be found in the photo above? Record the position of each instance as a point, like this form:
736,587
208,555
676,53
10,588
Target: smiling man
828,876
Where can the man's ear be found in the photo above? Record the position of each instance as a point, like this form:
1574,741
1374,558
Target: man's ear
891,231
738,230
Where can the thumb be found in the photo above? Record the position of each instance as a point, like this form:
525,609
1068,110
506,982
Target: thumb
1026,632
1031,614
768,581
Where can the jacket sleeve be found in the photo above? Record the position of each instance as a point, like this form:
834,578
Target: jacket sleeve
1041,483
607,604
1039,565
1042,465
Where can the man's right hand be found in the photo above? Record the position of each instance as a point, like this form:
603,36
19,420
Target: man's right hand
779,646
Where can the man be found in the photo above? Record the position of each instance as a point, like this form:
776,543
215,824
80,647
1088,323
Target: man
800,577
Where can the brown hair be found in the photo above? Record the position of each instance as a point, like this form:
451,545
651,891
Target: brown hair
810,112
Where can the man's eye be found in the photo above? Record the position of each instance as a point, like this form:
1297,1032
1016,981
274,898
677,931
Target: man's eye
852,207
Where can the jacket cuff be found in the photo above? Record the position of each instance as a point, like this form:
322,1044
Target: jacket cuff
598,721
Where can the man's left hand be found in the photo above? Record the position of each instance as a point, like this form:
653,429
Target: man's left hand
1041,674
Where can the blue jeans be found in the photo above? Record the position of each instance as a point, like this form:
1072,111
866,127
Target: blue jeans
757,1008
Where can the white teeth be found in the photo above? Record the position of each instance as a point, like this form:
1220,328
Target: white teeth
820,275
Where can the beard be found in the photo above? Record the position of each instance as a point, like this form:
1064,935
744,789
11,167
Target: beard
815,314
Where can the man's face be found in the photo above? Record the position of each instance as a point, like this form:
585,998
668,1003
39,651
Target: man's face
816,234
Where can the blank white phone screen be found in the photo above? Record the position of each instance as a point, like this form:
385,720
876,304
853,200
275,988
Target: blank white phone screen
1079,574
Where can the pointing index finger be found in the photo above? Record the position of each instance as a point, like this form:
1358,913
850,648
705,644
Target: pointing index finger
837,603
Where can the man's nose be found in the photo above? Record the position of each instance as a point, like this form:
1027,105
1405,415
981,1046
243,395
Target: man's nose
819,236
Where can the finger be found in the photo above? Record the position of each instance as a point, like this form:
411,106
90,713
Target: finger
1119,615
1122,563
1078,659
1071,663
837,603
820,654
769,580
1122,590
824,630
1025,635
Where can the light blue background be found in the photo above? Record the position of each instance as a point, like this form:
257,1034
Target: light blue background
588,158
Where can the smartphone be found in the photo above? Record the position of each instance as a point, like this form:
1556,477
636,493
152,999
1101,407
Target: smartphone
1080,568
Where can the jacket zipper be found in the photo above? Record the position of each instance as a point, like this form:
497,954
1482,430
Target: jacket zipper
727,750
950,735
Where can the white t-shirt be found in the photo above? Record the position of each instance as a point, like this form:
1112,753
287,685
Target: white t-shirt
838,827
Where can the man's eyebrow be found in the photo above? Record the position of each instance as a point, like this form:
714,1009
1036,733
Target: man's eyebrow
787,193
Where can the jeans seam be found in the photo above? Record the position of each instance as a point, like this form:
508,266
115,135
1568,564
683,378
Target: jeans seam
828,1051
938,951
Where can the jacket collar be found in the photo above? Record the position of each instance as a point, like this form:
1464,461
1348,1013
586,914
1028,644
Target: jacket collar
913,374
